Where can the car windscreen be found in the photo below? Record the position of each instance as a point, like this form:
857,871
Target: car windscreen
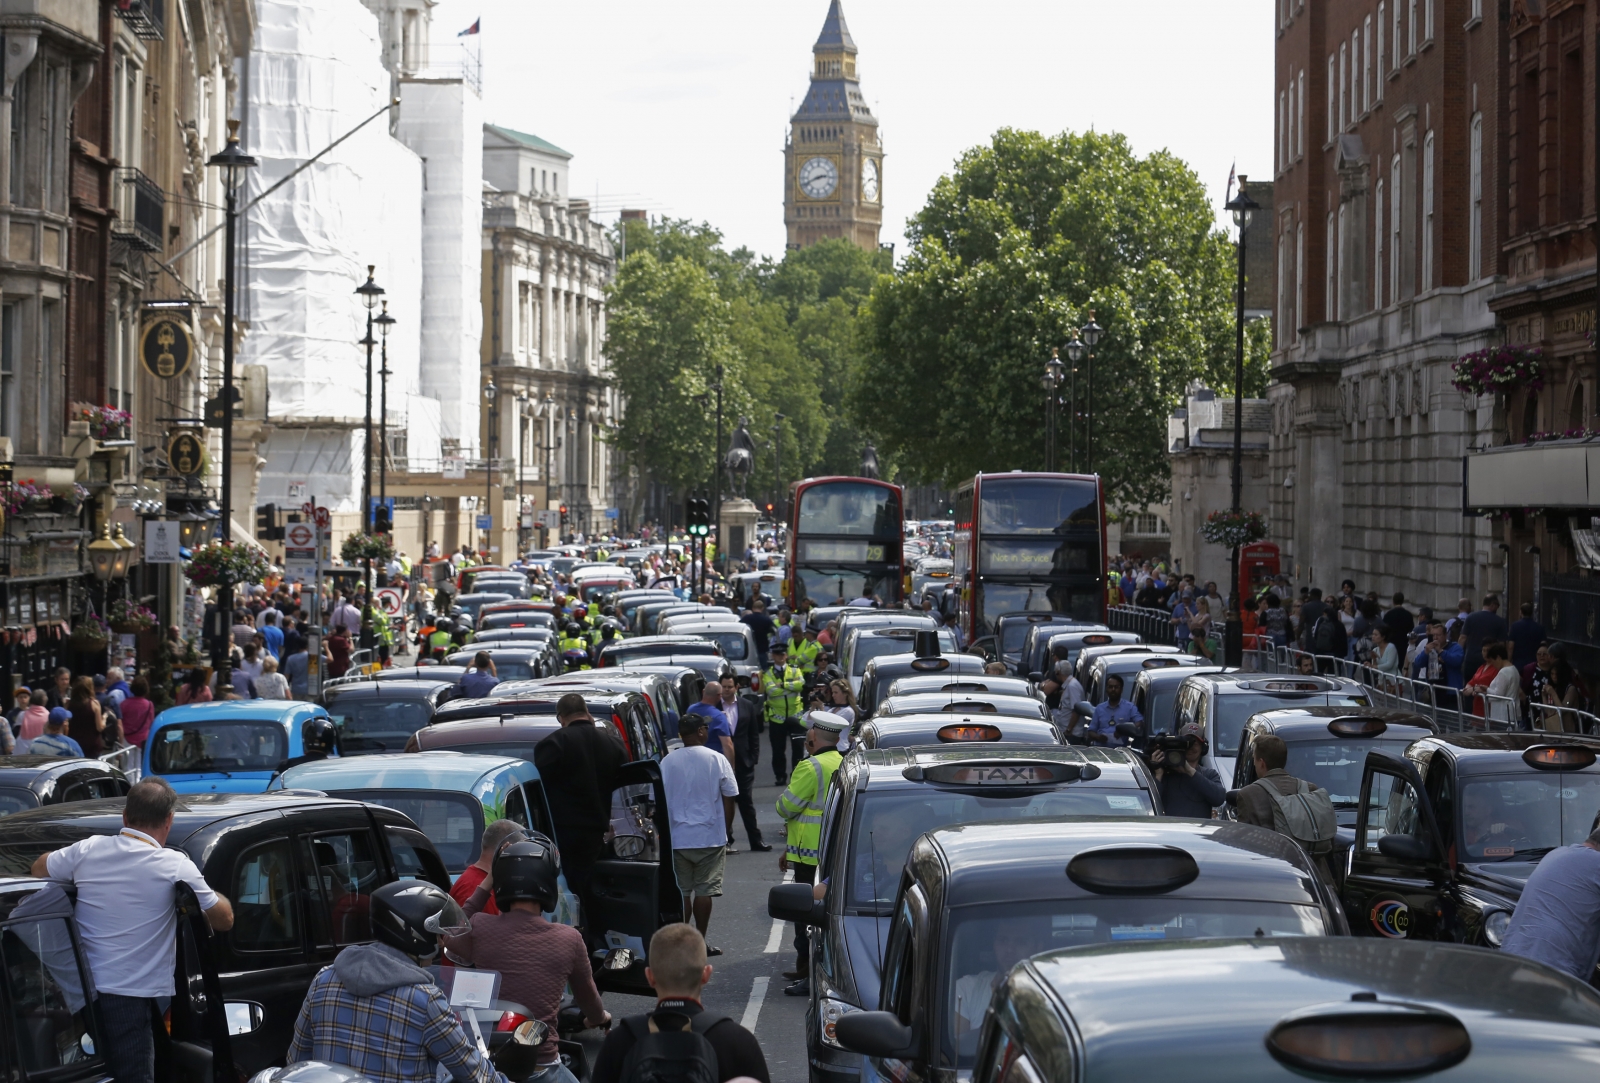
226,746
516,618
1336,765
1233,711
985,942
1523,817
733,643
622,655
16,799
886,824
1014,636
453,822
867,647
376,724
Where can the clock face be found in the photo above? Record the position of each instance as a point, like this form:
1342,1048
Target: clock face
869,180
819,177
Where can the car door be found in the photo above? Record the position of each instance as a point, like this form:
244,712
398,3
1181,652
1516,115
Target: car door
632,888
48,1030
198,1043
338,865
1398,869
905,971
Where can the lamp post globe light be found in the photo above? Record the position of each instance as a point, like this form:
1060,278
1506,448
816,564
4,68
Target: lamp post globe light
1243,210
490,394
369,292
1051,382
233,161
1075,355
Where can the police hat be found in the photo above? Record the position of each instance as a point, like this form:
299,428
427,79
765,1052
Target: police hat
827,722
778,648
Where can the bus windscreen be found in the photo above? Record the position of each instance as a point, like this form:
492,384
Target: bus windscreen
869,511
1038,506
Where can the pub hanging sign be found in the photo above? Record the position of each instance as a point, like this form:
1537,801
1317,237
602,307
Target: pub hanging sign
166,346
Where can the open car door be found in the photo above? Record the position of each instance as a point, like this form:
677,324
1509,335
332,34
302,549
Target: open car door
1399,866
633,891
197,1047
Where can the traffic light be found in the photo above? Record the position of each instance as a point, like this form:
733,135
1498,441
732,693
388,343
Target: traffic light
267,528
382,520
563,515
699,516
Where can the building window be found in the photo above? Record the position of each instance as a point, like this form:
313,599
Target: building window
1300,128
1283,131
1396,41
1411,27
1366,64
1570,125
1377,245
1427,20
1299,277
49,367
1528,152
1330,298
1427,212
1333,97
1394,229
1355,75
1344,86
1341,297
1475,190
1283,287
1378,90
10,355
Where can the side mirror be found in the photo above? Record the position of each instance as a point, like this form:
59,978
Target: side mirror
1084,709
628,846
1036,677
794,902
617,959
1405,848
1129,730
876,1034
1231,797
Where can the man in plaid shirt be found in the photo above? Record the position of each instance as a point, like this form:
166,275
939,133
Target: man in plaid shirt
377,1011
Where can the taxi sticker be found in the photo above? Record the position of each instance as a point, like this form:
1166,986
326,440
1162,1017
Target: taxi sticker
1138,932
1116,801
1499,851
1390,918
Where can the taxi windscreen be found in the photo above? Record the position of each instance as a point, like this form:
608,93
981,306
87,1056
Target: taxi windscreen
376,725
985,943
734,645
887,824
1521,818
453,822
234,745
1336,766
1233,711
15,799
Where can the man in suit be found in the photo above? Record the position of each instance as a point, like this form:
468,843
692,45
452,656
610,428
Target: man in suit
745,710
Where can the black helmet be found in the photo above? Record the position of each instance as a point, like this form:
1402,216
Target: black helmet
608,610
410,914
573,629
526,869
319,734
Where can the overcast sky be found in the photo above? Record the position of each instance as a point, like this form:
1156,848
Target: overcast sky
681,107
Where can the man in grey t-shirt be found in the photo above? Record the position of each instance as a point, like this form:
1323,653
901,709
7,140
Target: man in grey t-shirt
1557,920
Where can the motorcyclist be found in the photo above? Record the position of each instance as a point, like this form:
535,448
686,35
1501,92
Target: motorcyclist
608,636
319,738
536,956
378,1011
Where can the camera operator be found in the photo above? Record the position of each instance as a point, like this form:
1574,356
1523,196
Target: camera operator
1187,788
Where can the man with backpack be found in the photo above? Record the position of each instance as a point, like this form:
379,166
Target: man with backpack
680,1041
1288,805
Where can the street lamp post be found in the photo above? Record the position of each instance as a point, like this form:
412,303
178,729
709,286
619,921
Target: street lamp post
716,489
522,416
777,441
1243,209
1075,354
1051,381
547,413
369,291
490,393
571,485
384,322
233,162
1091,338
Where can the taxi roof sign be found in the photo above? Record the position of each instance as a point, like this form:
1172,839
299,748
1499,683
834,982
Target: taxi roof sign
1357,726
1099,639
1133,870
969,731
1366,1037
1002,773
1559,757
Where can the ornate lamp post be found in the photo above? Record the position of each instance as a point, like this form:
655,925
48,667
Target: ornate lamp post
369,291
490,393
1051,382
1091,338
384,321
1075,354
1243,209
523,413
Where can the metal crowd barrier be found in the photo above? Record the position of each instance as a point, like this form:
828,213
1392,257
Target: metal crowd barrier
127,760
1154,625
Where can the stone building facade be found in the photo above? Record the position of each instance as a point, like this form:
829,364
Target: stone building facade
1200,452
546,265
1390,228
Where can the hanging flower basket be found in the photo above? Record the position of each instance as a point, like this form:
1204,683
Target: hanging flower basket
105,422
1499,369
90,634
1231,529
377,548
225,564
128,618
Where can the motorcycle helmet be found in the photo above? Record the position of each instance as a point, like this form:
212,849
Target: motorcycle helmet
575,659
608,611
409,915
319,735
526,869
574,628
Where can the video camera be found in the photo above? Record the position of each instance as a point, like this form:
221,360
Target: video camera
1168,748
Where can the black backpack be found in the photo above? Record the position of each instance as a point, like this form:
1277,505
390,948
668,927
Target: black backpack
671,1047
1326,635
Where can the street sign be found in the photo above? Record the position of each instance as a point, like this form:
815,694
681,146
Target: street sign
299,536
613,513
455,469
166,346
548,517
300,564
389,600
161,542
485,522
324,518
527,521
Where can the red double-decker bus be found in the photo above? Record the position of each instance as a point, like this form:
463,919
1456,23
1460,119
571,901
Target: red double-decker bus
845,541
1029,543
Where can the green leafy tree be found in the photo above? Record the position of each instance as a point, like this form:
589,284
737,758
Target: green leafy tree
1011,253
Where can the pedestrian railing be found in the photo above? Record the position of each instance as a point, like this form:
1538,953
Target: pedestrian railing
1153,625
126,759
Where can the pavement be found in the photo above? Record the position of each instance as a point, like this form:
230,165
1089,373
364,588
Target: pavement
747,978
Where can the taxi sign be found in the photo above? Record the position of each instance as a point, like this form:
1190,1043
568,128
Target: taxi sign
1559,757
1357,726
972,731
1096,640
1002,773
1287,686
1161,661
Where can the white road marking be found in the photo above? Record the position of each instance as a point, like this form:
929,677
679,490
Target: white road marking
775,940
752,1008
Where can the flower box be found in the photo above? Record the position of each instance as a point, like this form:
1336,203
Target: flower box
1499,369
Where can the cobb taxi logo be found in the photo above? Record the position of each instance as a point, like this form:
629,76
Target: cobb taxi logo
1391,918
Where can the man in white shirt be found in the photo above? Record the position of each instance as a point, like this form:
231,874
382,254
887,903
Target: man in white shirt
127,919
346,616
700,788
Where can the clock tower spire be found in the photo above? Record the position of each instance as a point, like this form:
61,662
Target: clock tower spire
833,162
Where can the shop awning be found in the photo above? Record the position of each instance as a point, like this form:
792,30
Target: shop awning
1555,475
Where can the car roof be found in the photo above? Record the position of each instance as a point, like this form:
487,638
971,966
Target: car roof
446,674
992,863
470,731
1311,722
417,689
1172,674
194,812
959,664
886,767
492,649
1110,993
29,770
398,770
655,641
992,685
930,702
243,710
1495,753
1240,680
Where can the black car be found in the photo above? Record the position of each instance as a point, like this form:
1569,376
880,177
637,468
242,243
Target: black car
512,663
297,870
33,781
656,649
1259,1010
1034,658
630,714
436,674
883,671
1012,631
878,804
903,731
1453,828
977,899
381,716
494,618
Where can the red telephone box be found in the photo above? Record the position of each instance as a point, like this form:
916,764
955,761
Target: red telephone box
1258,566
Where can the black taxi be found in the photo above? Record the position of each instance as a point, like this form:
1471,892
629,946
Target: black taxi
977,899
1258,1009
880,801
297,869
33,781
1453,827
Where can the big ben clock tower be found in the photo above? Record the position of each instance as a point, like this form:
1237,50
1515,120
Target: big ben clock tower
833,163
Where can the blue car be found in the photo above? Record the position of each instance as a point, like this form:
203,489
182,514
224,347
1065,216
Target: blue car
231,747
